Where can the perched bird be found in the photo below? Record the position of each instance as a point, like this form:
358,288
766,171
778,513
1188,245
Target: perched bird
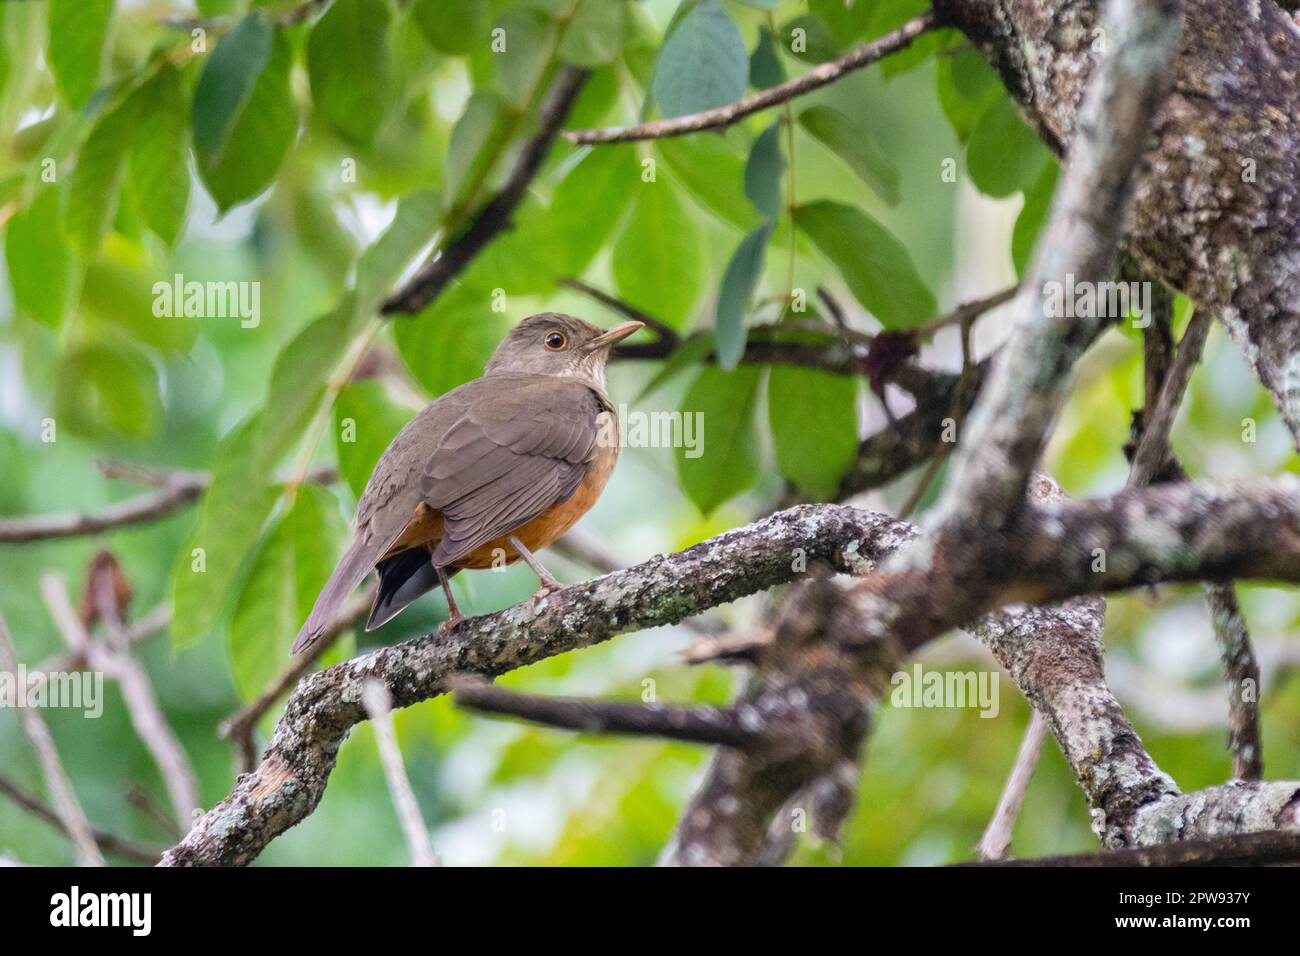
490,472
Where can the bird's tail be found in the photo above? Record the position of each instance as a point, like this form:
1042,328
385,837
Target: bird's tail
402,578
356,562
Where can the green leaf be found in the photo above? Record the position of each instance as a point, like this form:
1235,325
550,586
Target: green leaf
299,383
693,351
765,67
703,63
814,420
455,32
656,259
738,284
350,64
158,166
727,463
847,20
875,265
529,37
594,36
42,270
78,33
104,389
365,422
561,238
245,160
286,576
763,171
855,146
121,296
1038,202
589,202
967,86
889,15
413,228
475,140
450,341
97,178
227,82
808,39
713,173
231,514
1004,155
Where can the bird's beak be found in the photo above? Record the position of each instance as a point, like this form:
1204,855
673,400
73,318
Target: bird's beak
617,334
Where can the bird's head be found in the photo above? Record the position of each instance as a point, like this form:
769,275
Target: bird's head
552,343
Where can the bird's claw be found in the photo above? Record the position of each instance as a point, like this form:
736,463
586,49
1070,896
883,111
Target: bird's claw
449,625
542,593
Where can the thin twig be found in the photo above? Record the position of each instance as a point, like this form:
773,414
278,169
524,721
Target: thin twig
127,849
997,835
663,330
71,816
700,725
380,708
151,506
1270,847
239,726
113,657
722,116
1153,459
175,490
1158,419
967,311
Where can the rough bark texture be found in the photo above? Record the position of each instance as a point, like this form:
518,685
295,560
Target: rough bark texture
295,768
1216,210
808,703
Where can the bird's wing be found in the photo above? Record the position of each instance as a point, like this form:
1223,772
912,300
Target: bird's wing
512,454
385,508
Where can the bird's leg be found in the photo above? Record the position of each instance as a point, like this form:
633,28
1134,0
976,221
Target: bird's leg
454,616
549,584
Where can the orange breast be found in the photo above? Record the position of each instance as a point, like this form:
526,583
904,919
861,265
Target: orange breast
425,529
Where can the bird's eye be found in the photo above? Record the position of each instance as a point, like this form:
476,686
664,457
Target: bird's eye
555,341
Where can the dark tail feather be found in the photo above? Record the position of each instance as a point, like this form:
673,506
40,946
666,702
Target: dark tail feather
402,579
356,563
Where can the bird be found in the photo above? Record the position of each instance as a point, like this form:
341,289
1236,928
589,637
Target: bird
488,473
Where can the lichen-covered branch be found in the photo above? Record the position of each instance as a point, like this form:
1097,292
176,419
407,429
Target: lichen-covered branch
808,703
1162,542
1216,210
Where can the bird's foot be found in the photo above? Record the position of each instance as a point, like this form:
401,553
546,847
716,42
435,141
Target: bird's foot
545,591
449,625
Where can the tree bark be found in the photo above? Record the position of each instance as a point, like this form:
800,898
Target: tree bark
1216,207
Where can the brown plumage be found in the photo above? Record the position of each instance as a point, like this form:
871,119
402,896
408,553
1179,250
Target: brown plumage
511,459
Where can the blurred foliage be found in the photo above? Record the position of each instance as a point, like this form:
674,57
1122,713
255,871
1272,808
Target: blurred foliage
202,217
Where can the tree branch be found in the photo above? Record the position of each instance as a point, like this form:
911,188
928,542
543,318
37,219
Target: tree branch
71,816
699,725
182,490
1220,188
1165,532
1237,849
114,658
127,849
496,215
723,116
